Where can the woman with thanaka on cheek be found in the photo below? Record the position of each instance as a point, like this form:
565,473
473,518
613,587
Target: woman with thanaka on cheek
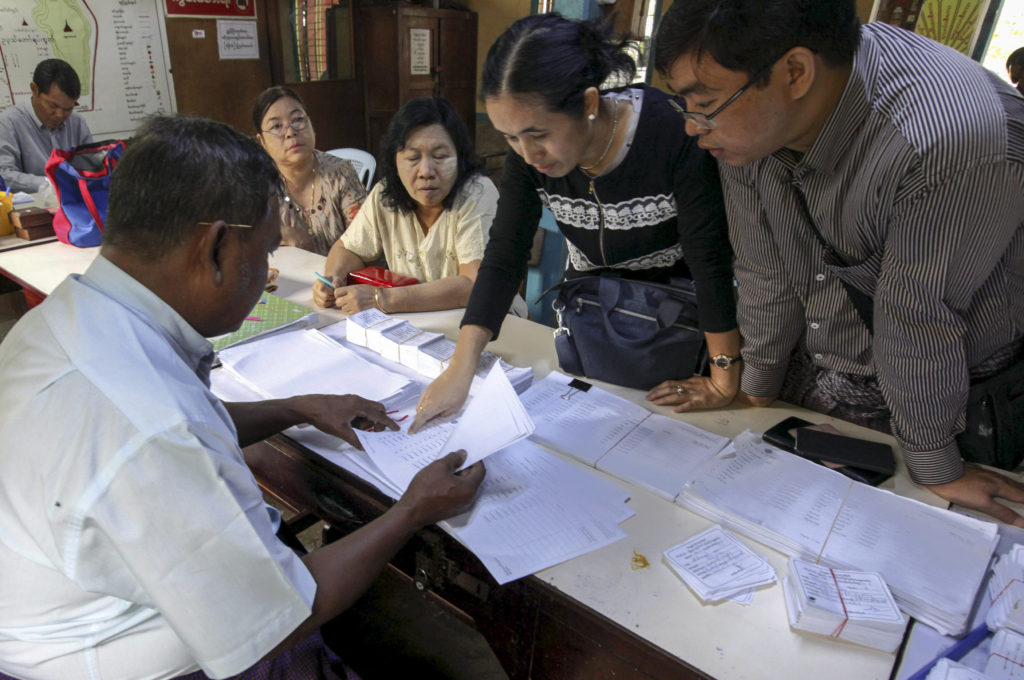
429,216
322,193
632,193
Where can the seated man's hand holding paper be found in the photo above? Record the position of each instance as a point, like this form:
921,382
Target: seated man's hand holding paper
438,491
979,488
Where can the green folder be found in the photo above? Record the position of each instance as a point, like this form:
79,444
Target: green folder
269,313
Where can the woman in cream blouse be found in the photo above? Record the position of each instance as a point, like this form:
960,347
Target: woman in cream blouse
429,216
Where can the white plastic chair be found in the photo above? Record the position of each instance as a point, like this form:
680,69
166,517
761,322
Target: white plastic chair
362,161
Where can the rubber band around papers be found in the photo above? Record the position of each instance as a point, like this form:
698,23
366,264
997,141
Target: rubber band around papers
839,511
846,615
1005,658
1005,588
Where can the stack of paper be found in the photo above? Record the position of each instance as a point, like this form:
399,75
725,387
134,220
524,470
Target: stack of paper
847,605
1006,592
535,510
616,435
492,419
945,669
308,362
1006,657
717,566
427,353
806,510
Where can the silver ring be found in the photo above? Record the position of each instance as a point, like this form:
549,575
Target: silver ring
680,390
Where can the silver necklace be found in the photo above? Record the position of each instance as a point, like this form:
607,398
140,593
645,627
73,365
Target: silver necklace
611,138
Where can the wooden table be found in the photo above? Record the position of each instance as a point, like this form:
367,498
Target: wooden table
617,612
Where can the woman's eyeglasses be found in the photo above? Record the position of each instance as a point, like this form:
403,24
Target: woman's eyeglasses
298,123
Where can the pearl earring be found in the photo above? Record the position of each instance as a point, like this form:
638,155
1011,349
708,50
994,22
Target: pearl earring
592,116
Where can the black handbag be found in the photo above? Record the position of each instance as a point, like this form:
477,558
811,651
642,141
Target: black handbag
995,419
627,332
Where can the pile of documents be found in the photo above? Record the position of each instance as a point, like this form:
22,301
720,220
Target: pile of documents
1006,592
848,605
425,352
533,511
718,566
806,510
1006,656
617,436
946,669
492,419
315,364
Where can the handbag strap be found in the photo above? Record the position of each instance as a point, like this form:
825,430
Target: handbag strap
90,204
862,302
565,345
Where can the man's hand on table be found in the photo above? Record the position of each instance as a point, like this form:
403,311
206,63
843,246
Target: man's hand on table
979,488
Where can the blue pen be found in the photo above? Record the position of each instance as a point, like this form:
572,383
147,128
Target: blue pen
323,278
955,652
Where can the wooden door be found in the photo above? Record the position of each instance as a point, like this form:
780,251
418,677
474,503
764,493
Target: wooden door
205,84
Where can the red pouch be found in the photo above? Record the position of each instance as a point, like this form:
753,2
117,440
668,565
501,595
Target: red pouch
380,277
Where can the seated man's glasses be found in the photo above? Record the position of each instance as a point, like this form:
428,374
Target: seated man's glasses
298,123
705,121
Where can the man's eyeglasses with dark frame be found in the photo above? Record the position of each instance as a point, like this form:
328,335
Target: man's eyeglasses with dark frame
705,121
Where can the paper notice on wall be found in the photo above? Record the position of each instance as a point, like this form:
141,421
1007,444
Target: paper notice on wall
237,39
419,51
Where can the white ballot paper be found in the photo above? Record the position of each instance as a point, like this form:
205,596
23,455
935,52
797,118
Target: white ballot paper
492,419
1006,656
842,603
717,566
308,362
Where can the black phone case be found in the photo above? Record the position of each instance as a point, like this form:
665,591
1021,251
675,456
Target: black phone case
837,448
778,435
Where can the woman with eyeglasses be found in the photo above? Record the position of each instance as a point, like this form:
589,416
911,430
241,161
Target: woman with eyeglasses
630,190
323,193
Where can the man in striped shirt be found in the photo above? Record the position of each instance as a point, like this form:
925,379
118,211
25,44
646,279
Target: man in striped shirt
862,164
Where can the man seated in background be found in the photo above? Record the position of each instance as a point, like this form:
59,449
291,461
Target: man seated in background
134,541
874,186
29,131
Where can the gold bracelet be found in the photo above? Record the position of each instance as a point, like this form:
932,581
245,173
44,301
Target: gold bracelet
376,300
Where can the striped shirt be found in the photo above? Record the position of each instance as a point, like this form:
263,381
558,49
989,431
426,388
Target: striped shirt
917,183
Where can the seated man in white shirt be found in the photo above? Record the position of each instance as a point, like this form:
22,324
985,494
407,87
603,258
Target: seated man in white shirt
134,541
29,131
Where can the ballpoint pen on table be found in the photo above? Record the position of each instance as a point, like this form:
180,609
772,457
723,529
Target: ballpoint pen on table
955,652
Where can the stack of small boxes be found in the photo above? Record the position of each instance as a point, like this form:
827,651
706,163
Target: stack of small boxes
32,223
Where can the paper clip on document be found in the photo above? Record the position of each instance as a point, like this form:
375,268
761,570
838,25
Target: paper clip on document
575,387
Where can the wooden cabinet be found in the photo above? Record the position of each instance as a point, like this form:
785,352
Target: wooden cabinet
413,51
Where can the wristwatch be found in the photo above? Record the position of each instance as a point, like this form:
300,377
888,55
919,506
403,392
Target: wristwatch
723,362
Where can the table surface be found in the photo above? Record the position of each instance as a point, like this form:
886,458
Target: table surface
724,640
